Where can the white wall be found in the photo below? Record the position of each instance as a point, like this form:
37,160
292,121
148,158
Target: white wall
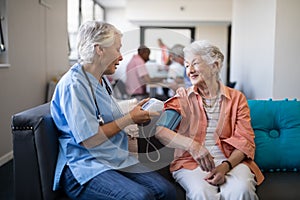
37,39
287,50
265,48
179,11
130,39
252,50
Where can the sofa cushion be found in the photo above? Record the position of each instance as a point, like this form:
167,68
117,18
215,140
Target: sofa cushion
279,186
276,124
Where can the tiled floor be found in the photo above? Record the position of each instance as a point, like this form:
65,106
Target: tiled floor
6,181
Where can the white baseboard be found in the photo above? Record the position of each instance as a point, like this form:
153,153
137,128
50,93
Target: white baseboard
7,157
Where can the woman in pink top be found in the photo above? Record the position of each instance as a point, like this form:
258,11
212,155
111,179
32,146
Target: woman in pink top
214,141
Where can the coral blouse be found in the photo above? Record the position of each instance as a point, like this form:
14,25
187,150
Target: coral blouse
234,130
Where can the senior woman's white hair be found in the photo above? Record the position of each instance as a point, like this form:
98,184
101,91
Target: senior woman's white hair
208,52
93,33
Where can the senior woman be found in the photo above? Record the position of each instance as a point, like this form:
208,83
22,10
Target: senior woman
214,141
94,161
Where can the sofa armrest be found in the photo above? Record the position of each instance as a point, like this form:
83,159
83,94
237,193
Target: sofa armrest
35,147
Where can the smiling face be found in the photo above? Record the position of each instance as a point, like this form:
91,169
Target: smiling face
111,56
199,72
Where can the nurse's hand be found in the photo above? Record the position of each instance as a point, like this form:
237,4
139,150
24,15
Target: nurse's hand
140,116
202,156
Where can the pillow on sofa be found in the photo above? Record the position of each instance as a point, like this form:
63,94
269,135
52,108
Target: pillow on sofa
276,124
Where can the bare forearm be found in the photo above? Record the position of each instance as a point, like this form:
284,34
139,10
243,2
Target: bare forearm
236,157
172,139
156,79
107,131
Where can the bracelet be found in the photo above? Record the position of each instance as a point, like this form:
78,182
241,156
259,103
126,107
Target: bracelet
229,164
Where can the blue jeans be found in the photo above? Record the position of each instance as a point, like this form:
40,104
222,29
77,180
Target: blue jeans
125,184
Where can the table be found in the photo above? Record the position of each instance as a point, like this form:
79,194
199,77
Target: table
155,85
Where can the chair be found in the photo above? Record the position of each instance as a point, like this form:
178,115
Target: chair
120,90
231,84
35,147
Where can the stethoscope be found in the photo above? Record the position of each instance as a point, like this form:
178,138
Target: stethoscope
108,89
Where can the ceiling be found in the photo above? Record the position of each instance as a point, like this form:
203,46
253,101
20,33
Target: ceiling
112,3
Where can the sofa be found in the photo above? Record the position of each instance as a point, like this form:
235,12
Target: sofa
277,136
276,124
35,150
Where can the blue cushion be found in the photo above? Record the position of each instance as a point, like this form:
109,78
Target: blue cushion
276,124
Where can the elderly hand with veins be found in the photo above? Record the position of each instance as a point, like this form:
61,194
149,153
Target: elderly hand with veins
205,160
202,156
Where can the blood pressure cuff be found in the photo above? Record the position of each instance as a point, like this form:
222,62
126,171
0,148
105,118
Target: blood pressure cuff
169,119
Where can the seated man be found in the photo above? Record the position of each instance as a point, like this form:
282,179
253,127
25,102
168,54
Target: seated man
137,74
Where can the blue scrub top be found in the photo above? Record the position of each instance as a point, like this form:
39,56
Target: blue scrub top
74,113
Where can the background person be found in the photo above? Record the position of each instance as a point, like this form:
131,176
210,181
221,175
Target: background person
214,143
137,75
94,161
165,59
176,71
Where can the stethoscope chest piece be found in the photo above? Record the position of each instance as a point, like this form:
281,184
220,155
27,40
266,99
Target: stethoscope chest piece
100,120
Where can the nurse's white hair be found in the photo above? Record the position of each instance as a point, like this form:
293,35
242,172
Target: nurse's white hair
208,52
93,33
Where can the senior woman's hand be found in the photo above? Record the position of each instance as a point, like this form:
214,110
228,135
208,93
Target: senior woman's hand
202,156
217,175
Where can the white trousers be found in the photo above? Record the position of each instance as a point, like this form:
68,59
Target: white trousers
239,185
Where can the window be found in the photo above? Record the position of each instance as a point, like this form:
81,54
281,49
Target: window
3,35
2,43
73,24
80,11
87,10
168,35
99,12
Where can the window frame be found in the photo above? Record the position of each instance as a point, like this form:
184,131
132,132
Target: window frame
73,54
